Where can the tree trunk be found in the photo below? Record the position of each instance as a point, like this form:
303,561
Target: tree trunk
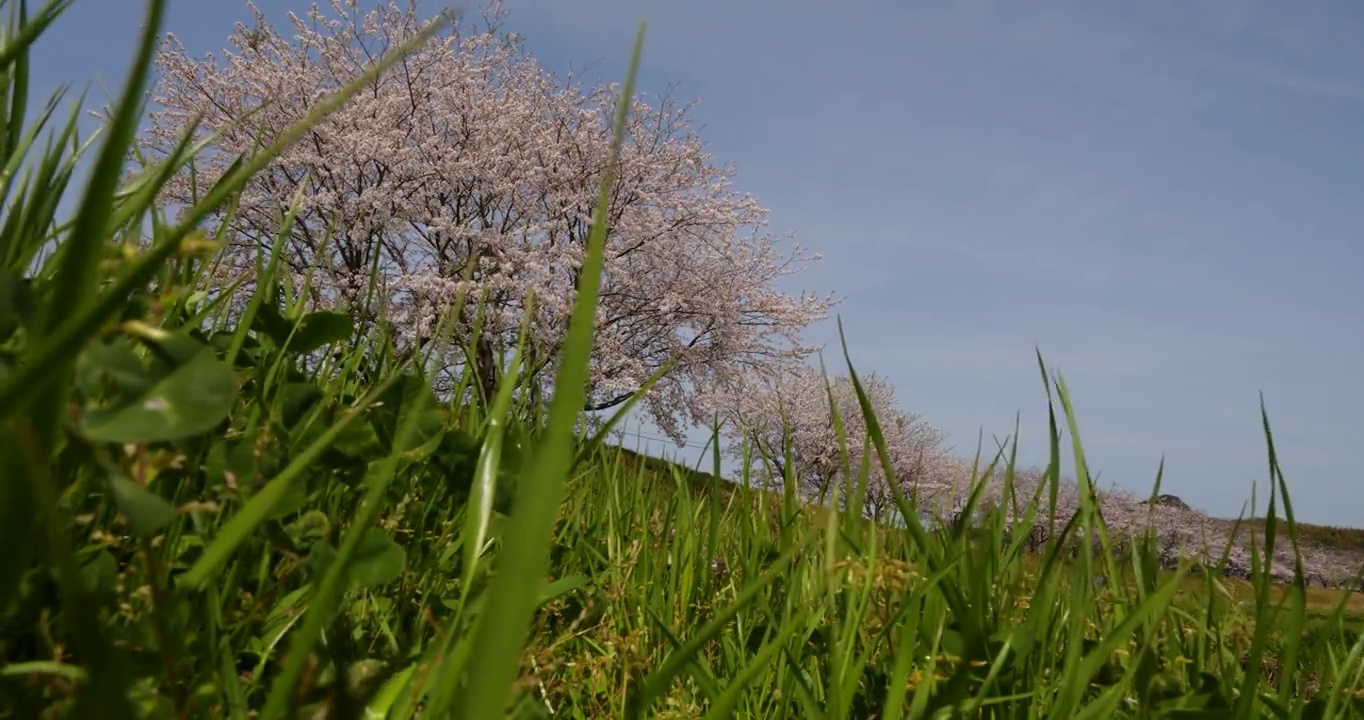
486,368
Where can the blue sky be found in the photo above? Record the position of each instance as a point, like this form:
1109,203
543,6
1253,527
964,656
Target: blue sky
1166,198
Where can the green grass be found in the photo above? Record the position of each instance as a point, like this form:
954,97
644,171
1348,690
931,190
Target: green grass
1350,540
262,511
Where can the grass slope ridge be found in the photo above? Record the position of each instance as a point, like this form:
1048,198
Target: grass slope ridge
1333,557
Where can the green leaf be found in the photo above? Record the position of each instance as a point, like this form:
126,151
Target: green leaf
114,364
377,560
295,400
409,393
242,461
318,329
190,399
310,332
359,441
146,511
310,527
222,342
272,323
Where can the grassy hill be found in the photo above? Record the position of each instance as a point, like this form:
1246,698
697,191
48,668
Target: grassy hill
1344,539
659,592
1321,601
1339,539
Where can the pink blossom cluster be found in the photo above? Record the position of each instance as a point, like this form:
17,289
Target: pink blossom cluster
1181,532
469,169
784,411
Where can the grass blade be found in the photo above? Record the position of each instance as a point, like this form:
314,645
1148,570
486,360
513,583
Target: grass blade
502,630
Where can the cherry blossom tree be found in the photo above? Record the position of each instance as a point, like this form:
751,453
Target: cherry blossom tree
470,170
785,412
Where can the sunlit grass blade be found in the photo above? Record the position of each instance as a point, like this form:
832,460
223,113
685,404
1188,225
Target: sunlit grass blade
1077,684
951,591
1298,616
699,673
1339,693
724,706
657,682
478,513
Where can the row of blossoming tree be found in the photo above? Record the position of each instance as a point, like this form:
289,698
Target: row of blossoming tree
470,170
